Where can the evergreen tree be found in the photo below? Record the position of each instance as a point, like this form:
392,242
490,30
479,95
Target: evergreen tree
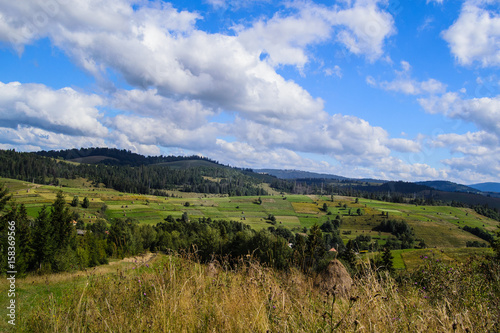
75,201
495,244
25,252
349,255
86,203
4,197
315,245
387,259
43,238
61,222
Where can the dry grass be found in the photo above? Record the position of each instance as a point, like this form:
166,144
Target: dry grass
177,294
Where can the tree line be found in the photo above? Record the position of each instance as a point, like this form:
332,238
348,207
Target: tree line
143,179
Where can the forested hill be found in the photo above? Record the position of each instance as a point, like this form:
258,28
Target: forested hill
123,174
112,156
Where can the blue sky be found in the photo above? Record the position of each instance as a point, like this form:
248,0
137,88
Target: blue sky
393,89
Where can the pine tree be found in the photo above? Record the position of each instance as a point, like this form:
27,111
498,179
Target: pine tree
43,238
4,197
24,235
86,203
315,245
75,201
349,255
61,222
387,259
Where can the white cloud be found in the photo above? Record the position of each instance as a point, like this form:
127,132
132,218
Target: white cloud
367,28
188,114
484,112
33,139
336,70
182,78
475,35
65,110
153,131
404,83
362,27
404,145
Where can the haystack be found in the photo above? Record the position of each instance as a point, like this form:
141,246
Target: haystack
334,278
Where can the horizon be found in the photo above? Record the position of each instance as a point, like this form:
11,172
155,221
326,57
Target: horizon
379,89
258,170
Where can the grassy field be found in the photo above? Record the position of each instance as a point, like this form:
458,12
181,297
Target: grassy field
175,293
439,226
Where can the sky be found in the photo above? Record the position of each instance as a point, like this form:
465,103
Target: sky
387,89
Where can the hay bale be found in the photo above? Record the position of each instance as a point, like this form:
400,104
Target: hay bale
212,269
334,278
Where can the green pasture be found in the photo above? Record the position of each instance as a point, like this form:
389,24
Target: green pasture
439,226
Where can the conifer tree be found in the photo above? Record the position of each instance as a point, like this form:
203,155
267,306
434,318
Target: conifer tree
61,222
43,238
387,259
349,255
75,201
315,245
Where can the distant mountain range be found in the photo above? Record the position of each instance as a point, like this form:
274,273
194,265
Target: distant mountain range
123,157
447,186
298,174
487,187
441,185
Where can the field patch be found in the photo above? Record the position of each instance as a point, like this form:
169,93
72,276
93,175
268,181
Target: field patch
305,208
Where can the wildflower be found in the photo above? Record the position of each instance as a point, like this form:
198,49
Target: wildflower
144,294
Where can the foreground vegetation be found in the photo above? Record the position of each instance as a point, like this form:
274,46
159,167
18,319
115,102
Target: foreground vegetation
175,293
230,266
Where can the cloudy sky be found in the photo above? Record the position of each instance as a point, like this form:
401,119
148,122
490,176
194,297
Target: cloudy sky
393,89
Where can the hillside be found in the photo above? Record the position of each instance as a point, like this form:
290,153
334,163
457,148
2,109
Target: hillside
297,174
447,186
229,266
487,187
436,225
121,172
113,156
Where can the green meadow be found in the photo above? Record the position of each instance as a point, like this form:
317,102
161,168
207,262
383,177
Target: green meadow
439,226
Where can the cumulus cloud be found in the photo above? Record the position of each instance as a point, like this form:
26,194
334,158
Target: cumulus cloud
182,78
188,114
475,35
484,112
33,139
155,45
65,110
405,84
361,27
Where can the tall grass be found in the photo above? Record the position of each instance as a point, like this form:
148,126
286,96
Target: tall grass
176,293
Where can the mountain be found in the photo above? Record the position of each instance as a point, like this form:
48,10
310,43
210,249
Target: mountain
297,174
487,187
447,186
113,156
